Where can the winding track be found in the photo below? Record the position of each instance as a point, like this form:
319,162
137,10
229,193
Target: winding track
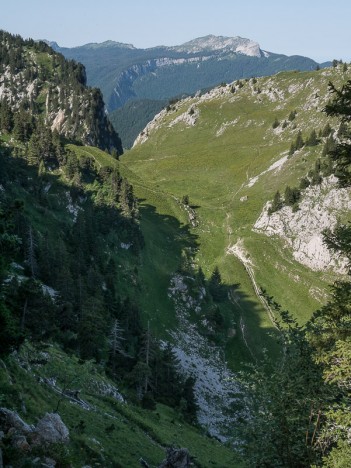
239,253
234,301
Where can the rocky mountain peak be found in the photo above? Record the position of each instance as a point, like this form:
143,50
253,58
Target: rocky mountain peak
54,45
105,44
218,43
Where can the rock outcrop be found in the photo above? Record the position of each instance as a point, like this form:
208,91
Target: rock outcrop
176,458
50,430
302,230
10,420
22,437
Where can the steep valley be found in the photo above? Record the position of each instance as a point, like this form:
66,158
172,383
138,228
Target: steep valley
137,289
222,151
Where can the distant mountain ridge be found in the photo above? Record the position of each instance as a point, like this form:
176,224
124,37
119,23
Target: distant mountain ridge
221,43
124,72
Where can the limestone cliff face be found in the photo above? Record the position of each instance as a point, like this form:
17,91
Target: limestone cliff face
302,230
34,79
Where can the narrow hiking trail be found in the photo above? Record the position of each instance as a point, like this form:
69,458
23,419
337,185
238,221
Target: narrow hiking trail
235,301
239,252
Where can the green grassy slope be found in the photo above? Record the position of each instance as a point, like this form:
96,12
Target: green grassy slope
166,234
136,433
214,160
106,432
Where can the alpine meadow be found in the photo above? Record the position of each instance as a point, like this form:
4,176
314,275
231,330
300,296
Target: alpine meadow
175,252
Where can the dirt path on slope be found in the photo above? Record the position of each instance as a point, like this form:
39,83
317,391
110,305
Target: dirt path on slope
238,251
234,301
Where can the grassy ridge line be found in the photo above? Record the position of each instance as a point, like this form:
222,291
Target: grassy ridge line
141,187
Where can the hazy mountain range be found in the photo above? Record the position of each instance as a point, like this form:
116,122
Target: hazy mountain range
125,73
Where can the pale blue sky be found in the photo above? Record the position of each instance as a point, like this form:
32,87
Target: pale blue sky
319,29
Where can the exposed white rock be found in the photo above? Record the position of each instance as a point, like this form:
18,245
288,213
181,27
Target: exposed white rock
294,88
189,117
276,166
31,88
218,43
252,49
302,230
106,389
49,291
252,181
58,121
165,61
225,126
71,207
215,386
144,135
216,93
10,419
50,430
47,187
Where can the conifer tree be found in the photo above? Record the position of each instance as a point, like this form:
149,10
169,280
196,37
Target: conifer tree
341,154
275,123
147,353
31,257
10,335
277,203
116,344
286,398
292,115
216,286
291,195
312,140
169,384
6,116
191,407
299,143
326,130
92,331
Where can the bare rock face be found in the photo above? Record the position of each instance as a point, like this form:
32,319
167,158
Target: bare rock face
50,430
176,458
10,419
23,437
319,209
48,463
20,443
